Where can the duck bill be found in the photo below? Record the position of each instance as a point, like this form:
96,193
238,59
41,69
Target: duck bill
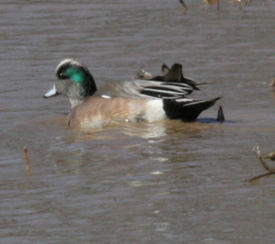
51,93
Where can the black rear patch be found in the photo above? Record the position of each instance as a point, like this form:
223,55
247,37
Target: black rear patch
186,110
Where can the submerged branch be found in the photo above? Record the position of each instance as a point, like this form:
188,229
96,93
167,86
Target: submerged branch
260,176
270,171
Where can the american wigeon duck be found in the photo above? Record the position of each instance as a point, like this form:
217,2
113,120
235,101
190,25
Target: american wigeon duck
130,101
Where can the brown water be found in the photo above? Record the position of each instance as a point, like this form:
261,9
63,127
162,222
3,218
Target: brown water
167,182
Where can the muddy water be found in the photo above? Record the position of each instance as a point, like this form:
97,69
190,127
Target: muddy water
167,182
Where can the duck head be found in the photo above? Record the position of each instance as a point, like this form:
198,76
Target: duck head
74,81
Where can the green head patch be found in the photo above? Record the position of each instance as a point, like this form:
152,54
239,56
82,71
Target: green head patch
75,74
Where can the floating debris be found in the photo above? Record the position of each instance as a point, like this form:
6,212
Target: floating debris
270,171
28,166
220,116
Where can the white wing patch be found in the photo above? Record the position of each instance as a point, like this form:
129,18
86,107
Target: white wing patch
105,96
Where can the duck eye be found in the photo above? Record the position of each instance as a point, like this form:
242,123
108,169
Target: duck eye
62,75
65,75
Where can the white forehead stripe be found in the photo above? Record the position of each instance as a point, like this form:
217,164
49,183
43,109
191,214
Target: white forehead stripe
68,61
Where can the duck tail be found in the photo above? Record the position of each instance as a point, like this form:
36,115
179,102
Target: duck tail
186,109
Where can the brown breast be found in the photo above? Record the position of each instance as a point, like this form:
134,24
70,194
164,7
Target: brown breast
97,111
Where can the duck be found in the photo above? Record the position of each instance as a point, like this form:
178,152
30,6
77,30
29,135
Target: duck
128,101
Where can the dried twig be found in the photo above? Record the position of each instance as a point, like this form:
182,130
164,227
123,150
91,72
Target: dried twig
270,171
184,5
270,156
260,176
28,166
261,159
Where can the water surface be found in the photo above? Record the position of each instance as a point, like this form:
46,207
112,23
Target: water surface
166,182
